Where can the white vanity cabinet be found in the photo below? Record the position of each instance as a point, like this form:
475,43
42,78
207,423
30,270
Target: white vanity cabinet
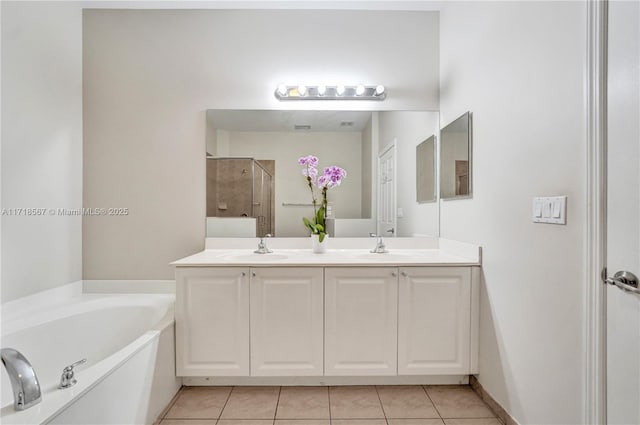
361,326
326,324
434,321
212,321
287,321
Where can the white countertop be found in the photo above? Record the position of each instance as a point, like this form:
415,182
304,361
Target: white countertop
333,257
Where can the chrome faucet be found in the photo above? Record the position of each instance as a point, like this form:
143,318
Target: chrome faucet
380,248
262,245
24,382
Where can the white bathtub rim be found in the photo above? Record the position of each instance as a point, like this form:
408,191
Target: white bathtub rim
54,401
83,303
60,295
49,298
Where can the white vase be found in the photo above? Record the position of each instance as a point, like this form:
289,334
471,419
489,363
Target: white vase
319,247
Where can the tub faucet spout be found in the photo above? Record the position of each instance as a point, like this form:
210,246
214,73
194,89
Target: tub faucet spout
24,382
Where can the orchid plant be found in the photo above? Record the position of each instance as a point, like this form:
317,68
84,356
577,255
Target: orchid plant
331,177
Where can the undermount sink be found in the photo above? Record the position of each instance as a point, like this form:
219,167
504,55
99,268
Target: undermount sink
257,257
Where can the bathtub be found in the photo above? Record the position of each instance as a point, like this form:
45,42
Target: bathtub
128,341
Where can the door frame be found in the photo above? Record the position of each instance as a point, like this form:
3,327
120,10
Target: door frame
595,384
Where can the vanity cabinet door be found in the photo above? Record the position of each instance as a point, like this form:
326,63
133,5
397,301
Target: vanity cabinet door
361,306
434,323
212,321
287,321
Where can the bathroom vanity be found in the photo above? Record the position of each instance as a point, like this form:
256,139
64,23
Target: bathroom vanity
347,313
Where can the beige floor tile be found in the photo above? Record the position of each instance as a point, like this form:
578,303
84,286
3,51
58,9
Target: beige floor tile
188,422
244,422
251,403
357,402
303,403
432,421
302,422
473,421
358,422
459,402
199,403
406,401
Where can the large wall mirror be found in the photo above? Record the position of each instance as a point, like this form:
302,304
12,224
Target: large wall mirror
255,185
455,158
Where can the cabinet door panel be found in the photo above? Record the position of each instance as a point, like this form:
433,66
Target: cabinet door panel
212,322
361,321
286,322
434,320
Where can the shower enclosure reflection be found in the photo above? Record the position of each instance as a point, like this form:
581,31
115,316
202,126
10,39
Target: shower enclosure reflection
240,190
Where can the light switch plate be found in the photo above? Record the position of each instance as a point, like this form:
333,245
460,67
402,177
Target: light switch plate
550,209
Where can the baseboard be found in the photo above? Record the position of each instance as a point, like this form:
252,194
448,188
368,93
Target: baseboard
499,411
326,380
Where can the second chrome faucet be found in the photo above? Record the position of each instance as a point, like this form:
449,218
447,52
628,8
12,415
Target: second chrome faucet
262,245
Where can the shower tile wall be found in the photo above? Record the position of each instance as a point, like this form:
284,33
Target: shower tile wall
229,188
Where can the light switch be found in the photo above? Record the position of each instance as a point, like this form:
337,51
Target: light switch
537,209
557,204
550,209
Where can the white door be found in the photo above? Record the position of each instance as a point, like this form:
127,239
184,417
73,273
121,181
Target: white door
361,307
434,321
623,211
387,191
212,321
287,310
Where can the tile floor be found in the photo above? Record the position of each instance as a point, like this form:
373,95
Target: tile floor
354,405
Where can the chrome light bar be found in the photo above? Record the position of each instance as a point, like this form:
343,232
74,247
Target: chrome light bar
338,92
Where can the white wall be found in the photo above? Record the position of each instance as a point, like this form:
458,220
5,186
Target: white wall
41,145
332,148
149,77
410,129
519,67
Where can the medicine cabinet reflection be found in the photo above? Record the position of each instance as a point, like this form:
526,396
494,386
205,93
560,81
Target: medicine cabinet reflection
455,158
426,171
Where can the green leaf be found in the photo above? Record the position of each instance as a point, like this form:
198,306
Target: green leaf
306,222
321,237
320,216
320,227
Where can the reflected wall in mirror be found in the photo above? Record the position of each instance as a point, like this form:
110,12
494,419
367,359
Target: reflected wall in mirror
455,158
255,184
426,171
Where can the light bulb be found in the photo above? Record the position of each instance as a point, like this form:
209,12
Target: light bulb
359,90
322,89
379,90
282,90
302,90
340,90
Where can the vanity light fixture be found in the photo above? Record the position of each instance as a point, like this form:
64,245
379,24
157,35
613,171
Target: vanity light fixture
282,90
324,92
